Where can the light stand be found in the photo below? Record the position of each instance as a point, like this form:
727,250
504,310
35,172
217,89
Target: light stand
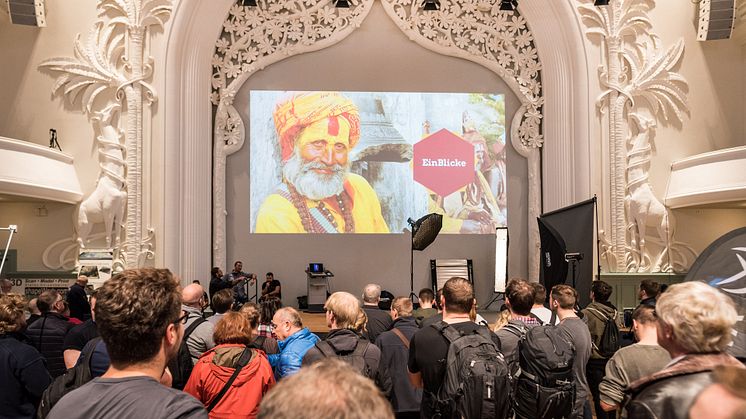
12,229
573,258
424,232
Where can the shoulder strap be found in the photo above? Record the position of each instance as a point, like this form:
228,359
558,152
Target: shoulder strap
191,328
89,349
326,349
516,330
246,356
403,338
360,348
447,331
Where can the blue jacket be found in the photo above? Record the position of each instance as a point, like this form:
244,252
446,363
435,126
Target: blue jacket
292,350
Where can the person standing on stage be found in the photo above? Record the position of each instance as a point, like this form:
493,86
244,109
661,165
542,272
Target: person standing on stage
77,300
271,288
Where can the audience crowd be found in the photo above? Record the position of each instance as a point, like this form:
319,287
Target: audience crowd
143,346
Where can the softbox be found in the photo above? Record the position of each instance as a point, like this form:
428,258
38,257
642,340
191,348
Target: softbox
553,264
723,266
574,225
425,230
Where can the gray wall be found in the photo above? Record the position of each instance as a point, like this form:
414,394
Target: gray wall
359,259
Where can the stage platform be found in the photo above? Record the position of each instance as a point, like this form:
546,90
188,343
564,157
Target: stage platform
316,322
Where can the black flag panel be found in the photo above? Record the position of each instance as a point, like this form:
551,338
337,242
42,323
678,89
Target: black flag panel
723,266
574,225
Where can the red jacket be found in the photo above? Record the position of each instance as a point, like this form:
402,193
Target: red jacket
215,368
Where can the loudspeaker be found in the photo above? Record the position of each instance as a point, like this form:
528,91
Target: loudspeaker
27,12
716,18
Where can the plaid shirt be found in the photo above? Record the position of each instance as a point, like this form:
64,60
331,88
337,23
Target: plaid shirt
527,320
266,330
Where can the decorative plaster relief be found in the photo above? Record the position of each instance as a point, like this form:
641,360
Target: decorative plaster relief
641,88
254,37
115,60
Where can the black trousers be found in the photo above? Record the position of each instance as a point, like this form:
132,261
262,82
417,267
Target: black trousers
594,372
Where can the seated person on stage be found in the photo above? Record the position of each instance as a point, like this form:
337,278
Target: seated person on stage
271,288
318,194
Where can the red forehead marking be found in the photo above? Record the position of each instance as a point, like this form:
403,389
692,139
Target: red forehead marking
333,127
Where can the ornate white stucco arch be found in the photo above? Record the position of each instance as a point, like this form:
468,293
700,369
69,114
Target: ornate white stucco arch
187,133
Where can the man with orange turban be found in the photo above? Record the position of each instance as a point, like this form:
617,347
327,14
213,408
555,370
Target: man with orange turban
316,131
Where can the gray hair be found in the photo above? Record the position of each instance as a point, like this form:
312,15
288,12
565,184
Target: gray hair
701,317
372,293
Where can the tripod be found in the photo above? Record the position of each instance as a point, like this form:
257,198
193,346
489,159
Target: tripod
12,229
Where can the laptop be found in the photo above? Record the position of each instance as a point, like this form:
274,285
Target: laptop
316,268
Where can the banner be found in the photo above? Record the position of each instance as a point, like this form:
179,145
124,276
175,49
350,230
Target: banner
723,265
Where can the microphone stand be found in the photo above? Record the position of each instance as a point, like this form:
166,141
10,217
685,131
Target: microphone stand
12,229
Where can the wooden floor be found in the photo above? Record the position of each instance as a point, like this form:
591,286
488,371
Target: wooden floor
315,322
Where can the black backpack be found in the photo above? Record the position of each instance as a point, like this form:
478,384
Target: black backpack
69,381
609,343
181,365
476,383
356,358
545,386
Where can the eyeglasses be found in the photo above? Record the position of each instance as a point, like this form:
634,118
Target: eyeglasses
183,318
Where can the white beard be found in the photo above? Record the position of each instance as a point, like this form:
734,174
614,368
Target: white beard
312,185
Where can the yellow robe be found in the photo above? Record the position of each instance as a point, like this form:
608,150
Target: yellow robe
278,215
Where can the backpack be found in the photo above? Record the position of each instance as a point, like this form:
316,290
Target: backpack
609,342
545,386
181,365
355,358
476,383
69,381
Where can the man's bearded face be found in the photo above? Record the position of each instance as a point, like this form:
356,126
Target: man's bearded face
320,161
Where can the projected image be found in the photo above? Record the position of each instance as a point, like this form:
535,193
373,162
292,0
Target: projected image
365,162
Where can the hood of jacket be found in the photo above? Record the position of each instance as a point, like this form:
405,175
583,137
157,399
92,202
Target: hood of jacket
222,359
343,340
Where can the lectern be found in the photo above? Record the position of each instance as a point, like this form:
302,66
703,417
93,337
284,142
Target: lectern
318,287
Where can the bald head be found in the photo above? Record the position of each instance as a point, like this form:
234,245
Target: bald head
191,295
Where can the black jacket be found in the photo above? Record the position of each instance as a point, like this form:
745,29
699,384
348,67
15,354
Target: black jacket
23,377
344,341
47,335
379,321
670,393
394,358
77,300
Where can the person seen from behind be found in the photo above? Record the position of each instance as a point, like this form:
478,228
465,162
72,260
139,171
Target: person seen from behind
216,371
